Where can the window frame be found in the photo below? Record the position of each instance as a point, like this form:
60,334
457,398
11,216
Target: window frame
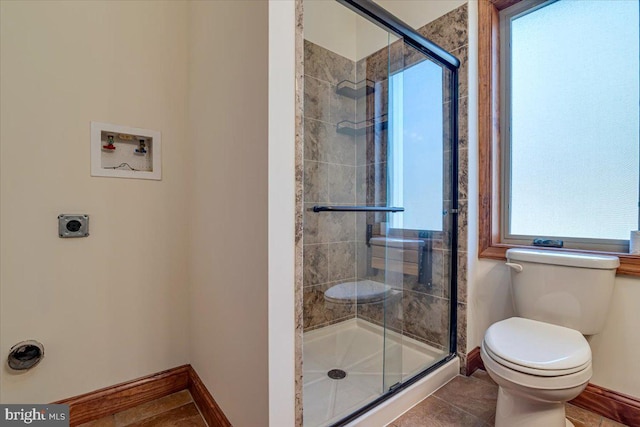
491,243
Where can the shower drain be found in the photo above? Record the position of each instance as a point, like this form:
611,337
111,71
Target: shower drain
336,374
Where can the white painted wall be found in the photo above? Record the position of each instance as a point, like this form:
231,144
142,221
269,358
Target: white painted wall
615,351
282,86
228,130
113,306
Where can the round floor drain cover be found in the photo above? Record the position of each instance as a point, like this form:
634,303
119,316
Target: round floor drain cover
336,374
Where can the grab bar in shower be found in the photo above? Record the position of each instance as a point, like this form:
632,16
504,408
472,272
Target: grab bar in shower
357,209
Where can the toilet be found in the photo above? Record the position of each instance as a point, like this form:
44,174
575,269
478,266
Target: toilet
541,359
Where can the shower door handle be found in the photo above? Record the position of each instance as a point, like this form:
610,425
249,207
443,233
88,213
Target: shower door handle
357,209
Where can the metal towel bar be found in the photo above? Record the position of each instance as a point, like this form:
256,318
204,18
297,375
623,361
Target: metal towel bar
357,209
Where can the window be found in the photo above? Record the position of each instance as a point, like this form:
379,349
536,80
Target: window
559,136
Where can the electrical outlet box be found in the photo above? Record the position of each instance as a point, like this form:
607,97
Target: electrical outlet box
73,225
125,152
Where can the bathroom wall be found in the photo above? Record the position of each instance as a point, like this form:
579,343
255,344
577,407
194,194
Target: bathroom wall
615,351
113,306
227,219
329,178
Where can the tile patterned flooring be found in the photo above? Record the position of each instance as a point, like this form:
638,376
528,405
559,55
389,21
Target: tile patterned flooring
174,410
464,401
471,401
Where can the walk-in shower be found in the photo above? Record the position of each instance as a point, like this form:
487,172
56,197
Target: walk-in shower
380,205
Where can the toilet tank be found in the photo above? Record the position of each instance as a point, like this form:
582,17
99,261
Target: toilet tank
564,288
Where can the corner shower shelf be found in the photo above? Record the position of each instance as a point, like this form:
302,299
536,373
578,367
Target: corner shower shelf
355,90
348,127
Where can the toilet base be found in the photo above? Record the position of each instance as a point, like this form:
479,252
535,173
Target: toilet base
513,410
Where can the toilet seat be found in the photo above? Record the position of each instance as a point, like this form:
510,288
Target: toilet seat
361,292
537,348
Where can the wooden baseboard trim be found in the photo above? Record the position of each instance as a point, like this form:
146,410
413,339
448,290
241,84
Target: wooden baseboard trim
120,397
617,406
205,402
474,361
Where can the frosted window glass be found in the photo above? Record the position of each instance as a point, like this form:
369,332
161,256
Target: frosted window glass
415,149
574,120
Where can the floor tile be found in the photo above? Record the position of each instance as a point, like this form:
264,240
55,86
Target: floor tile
434,412
150,409
482,375
581,417
473,396
183,416
107,421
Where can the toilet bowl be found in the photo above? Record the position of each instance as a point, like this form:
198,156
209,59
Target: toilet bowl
538,367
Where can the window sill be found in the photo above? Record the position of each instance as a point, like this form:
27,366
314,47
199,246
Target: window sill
629,264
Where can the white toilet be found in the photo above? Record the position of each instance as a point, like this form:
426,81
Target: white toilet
541,359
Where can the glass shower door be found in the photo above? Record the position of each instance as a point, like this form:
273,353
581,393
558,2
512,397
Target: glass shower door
377,236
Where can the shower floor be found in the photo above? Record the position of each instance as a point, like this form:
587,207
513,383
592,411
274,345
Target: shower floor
356,347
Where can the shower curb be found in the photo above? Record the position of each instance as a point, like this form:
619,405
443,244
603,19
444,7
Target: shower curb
120,397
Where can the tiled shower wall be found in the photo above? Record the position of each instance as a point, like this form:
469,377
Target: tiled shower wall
329,178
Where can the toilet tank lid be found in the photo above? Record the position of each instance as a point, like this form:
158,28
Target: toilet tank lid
570,259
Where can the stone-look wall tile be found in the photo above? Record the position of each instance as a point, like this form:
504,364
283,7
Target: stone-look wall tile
299,225
380,97
327,227
361,149
463,225
362,259
318,312
341,107
462,277
450,30
326,65
377,184
427,317
316,264
446,183
438,274
342,184
361,227
323,143
388,313
361,108
463,174
446,260
342,261
377,65
463,80
316,99
311,225
316,180
376,145
361,185
337,226
463,122
462,330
